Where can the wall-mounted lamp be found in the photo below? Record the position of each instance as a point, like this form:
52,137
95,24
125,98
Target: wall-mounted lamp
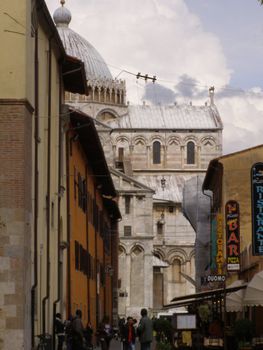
161,221
163,183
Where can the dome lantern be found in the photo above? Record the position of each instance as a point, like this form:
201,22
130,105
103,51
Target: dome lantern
62,16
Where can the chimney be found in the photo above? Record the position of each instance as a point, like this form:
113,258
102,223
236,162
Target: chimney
211,95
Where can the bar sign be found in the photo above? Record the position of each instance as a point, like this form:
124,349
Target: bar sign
232,236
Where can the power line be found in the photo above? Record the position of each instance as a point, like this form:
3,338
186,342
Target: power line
146,77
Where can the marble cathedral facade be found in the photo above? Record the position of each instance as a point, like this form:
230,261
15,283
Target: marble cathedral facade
151,151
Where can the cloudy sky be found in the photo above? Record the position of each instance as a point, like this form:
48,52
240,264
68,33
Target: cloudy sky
189,45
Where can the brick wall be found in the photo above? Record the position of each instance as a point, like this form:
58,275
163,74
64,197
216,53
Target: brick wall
15,225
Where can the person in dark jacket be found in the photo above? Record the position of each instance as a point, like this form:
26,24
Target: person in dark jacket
77,331
145,331
60,331
88,333
129,334
105,333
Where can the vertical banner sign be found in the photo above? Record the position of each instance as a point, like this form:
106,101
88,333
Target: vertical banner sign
219,243
213,265
232,236
257,208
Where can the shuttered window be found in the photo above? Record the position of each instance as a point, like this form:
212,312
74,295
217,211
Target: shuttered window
190,153
127,204
127,231
156,152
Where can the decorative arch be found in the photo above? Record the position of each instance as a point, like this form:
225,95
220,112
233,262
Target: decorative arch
177,253
159,253
157,138
173,140
139,139
122,250
109,111
122,139
192,138
135,248
191,254
208,141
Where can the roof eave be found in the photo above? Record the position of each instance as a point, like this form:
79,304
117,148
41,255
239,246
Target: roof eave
89,139
74,75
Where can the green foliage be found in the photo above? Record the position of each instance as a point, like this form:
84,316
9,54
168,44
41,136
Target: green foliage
163,345
261,2
164,331
244,330
204,311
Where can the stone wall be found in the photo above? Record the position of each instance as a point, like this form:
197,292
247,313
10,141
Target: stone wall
15,224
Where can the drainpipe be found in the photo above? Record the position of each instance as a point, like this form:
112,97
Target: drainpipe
36,140
96,259
44,300
68,226
59,207
87,240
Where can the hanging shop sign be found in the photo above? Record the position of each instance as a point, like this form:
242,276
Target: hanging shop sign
219,244
232,236
213,265
257,208
216,278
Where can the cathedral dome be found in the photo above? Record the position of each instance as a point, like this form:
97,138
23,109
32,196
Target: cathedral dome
76,46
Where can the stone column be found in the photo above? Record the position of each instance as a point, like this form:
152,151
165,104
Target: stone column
165,156
148,147
198,156
148,281
99,92
128,279
182,156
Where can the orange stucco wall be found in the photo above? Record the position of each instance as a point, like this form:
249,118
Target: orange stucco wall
87,292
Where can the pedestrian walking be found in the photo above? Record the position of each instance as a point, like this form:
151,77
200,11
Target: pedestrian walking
129,335
69,332
145,330
59,331
77,331
105,333
88,333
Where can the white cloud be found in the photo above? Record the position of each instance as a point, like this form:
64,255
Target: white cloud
163,38
158,37
242,116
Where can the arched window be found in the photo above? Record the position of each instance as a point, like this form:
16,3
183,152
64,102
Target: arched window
176,267
156,152
190,153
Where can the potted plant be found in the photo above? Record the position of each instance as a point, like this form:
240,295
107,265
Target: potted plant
164,334
243,331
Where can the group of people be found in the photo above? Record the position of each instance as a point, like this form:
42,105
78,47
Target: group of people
77,337
144,332
73,333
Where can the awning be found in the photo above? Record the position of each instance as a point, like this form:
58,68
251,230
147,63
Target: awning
234,301
158,262
202,296
254,292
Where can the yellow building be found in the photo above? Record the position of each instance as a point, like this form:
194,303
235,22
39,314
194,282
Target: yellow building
235,181
33,223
